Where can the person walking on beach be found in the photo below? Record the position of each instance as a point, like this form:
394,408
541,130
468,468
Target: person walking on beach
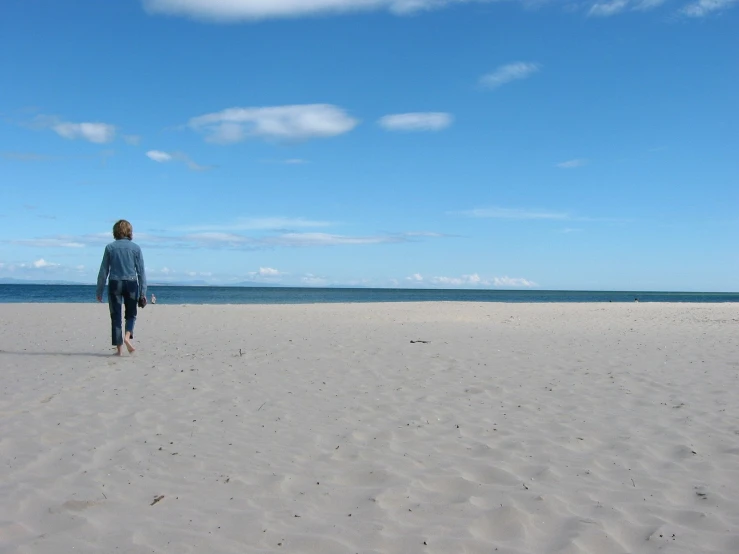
123,267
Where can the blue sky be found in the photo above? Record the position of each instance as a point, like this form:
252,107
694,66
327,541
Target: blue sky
550,144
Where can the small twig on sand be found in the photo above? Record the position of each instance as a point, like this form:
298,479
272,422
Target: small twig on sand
157,499
260,407
106,498
421,341
632,482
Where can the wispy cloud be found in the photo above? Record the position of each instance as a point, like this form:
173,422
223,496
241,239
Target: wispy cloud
418,121
613,7
52,242
429,234
519,214
702,8
159,156
509,73
644,5
287,161
606,9
261,223
327,239
471,280
512,213
226,11
572,164
246,10
283,123
219,238
41,263
28,157
34,157
164,157
314,280
513,282
95,132
133,140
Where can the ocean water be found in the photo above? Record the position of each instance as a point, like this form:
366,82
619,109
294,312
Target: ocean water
271,295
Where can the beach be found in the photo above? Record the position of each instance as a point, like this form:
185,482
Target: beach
435,427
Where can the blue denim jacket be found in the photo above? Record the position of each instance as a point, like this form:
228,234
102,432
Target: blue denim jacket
122,261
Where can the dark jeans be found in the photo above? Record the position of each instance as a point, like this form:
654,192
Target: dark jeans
122,293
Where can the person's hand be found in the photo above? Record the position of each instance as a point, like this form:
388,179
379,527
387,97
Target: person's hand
100,298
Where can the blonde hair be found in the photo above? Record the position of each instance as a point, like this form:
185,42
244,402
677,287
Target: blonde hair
122,230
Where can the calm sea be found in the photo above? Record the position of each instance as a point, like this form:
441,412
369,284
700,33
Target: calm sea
269,295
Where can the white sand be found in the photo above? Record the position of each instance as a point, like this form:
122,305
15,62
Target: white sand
595,428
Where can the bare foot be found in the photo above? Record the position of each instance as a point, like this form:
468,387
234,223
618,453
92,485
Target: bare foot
118,350
129,345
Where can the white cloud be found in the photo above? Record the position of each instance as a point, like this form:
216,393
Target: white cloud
648,4
28,157
605,9
613,7
702,8
55,242
163,157
165,272
326,239
133,140
296,122
572,164
159,156
473,279
98,133
245,10
290,240
255,10
41,263
508,73
513,213
419,121
430,234
513,282
215,239
263,223
41,268
226,237
527,214
313,280
268,272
